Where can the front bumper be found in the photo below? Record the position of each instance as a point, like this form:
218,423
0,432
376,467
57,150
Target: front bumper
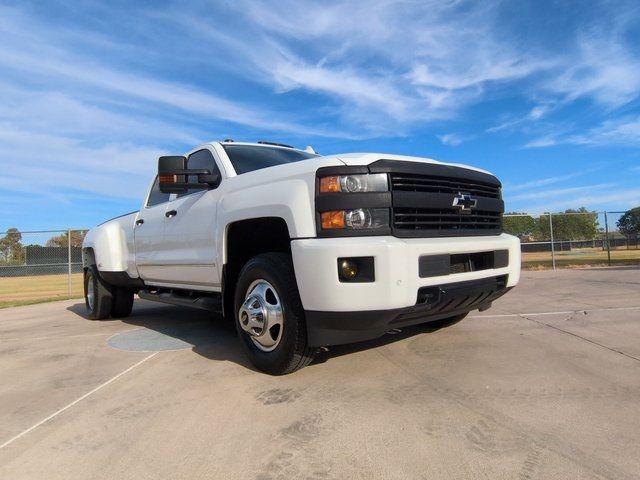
369,309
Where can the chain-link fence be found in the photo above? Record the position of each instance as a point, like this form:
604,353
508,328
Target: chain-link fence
42,265
573,239
47,265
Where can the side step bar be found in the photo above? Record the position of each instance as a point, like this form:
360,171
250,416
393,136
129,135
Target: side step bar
211,302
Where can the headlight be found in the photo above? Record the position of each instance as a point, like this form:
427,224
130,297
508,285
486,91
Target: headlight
355,219
354,183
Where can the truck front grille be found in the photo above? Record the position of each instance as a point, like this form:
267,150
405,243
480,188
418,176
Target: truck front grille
423,205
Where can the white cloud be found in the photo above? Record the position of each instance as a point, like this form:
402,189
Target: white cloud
615,198
542,182
559,192
452,139
398,64
56,166
535,114
545,141
385,63
624,131
604,67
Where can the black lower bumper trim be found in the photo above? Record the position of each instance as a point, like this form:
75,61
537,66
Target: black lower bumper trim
434,303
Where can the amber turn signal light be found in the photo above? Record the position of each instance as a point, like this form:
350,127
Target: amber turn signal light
332,219
168,178
329,184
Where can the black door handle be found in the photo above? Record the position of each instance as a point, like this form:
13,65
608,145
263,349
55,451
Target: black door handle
140,221
171,213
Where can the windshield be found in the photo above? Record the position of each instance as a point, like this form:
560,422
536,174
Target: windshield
247,158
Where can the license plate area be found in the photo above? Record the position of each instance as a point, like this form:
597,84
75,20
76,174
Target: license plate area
447,264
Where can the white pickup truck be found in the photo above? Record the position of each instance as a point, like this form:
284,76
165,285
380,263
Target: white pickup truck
304,251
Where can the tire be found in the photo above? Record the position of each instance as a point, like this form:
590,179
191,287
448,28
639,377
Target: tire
267,285
122,303
447,322
98,295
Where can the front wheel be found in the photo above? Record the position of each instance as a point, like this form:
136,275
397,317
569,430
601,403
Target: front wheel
269,315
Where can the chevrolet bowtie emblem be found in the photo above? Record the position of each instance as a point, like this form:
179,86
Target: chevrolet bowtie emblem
464,202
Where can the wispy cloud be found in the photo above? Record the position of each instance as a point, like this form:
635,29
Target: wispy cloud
559,192
623,131
90,95
606,64
622,198
541,142
453,139
535,114
543,182
455,59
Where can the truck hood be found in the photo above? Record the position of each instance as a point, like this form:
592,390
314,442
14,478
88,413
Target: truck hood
354,159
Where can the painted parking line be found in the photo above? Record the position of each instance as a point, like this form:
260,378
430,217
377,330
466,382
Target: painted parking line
560,312
77,400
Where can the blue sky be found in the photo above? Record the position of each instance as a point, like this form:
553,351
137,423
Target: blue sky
544,94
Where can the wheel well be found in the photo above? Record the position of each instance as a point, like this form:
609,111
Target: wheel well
244,240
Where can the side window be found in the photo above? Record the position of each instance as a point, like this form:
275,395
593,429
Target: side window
156,197
202,159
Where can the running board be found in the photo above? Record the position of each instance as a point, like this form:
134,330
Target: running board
212,302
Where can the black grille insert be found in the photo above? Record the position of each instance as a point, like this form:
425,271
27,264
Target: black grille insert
445,219
426,183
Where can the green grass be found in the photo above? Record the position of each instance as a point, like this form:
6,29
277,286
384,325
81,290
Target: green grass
580,258
16,291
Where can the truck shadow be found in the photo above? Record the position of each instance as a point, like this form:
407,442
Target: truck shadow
207,334
215,338
394,335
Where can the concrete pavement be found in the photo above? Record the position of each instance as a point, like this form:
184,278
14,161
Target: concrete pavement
546,384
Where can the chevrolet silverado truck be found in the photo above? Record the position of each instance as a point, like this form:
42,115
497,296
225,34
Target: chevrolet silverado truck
304,251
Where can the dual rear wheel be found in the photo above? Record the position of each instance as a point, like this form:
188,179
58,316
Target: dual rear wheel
103,300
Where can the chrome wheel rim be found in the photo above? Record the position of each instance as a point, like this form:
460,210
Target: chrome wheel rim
261,315
90,292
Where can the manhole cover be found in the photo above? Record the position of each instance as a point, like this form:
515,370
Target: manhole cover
147,340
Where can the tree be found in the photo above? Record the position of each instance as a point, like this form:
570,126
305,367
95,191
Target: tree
518,224
11,248
580,224
629,223
77,236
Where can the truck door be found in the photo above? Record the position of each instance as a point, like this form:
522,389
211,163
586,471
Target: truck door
149,233
189,235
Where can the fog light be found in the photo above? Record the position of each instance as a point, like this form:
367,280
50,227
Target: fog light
348,269
356,270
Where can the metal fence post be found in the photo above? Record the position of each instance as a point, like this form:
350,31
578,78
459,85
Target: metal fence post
606,230
553,251
69,260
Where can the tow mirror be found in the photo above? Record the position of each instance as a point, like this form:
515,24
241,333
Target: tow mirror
169,178
174,177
